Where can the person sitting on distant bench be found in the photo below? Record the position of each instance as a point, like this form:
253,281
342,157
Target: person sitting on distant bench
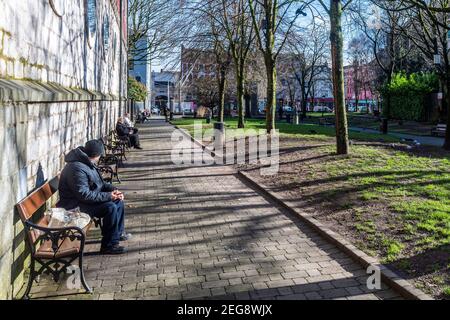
127,122
81,185
128,132
145,115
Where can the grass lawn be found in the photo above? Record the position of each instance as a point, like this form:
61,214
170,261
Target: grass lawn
305,131
363,120
389,201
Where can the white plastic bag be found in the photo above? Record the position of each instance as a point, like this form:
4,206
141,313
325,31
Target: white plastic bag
60,218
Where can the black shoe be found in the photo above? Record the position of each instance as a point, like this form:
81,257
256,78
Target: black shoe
138,147
125,236
116,249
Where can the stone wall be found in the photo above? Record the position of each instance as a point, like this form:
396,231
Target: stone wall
59,87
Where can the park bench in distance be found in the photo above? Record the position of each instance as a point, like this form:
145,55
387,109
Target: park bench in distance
53,248
326,121
439,130
116,148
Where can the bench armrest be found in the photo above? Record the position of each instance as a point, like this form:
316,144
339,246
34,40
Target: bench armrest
108,159
56,234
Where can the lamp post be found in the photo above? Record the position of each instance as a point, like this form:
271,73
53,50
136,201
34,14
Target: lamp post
168,94
437,63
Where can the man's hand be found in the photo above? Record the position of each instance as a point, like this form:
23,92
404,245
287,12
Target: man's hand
117,195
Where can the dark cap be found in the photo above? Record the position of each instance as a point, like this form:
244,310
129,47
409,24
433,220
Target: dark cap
94,148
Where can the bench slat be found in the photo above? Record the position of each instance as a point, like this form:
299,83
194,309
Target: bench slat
33,202
66,248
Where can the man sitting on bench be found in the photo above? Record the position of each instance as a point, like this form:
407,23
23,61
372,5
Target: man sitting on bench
128,123
81,185
124,131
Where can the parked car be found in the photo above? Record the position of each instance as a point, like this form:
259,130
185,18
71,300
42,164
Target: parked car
287,109
155,110
322,109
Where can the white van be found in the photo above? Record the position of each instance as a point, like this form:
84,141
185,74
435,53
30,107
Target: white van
322,109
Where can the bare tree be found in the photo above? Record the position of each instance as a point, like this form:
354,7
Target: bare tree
273,20
361,56
335,10
222,49
231,27
389,44
309,53
237,23
154,28
206,93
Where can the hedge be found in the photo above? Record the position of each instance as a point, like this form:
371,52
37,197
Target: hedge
408,93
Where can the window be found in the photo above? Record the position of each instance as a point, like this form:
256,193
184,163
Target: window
91,19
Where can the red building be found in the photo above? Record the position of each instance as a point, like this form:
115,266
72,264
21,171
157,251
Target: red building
360,93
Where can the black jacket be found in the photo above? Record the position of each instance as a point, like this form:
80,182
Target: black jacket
122,130
80,183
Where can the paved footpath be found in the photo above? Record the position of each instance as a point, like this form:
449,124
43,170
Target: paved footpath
201,233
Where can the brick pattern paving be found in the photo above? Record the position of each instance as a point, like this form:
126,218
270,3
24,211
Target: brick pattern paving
200,233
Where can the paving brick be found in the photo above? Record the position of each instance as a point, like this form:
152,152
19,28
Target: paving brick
197,294
333,293
215,284
201,233
306,288
297,296
280,283
294,275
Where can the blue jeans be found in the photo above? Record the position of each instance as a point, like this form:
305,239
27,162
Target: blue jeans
112,214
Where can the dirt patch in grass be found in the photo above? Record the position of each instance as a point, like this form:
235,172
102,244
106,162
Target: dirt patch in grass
391,202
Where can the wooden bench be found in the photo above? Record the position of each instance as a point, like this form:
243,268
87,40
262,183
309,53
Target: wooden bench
116,148
110,162
325,122
440,130
53,248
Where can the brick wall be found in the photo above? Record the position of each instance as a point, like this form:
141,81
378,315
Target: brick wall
59,87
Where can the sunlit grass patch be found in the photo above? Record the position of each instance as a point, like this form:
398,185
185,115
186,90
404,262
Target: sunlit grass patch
392,248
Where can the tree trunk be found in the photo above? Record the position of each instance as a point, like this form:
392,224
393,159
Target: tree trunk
304,102
240,96
337,55
304,111
248,106
222,85
271,94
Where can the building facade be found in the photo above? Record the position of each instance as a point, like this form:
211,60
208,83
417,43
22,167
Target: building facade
195,64
141,70
165,84
62,82
360,94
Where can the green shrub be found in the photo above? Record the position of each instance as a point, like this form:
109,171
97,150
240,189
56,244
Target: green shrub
136,90
408,93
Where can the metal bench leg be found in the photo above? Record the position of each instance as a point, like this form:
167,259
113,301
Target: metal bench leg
117,173
26,295
82,278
